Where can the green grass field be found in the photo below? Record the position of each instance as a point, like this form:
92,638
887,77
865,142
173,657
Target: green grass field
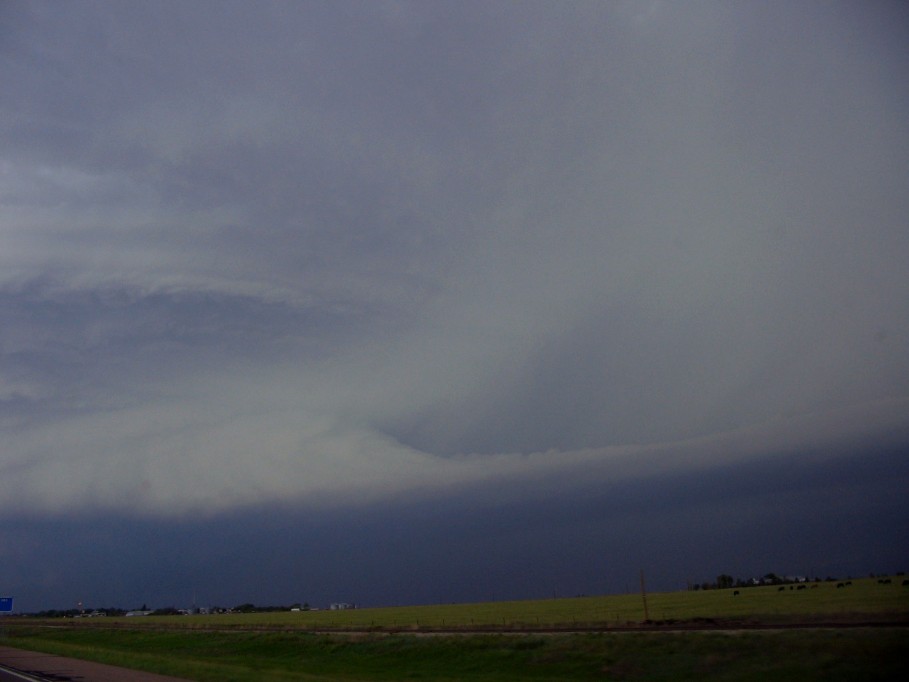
864,598
283,646
803,655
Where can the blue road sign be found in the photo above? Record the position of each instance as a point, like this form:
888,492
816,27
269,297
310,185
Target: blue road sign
6,604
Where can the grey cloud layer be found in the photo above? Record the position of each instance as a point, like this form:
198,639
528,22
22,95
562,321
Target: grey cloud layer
259,251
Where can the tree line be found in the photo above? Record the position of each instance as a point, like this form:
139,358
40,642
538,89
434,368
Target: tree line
725,581
163,611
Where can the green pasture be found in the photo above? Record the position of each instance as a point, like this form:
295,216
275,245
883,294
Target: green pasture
864,597
397,643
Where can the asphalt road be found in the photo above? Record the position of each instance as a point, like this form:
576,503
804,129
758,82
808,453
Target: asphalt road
19,665
10,676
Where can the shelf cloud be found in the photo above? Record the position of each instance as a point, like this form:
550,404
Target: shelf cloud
347,253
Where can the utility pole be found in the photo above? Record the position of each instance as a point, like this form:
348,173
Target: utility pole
644,596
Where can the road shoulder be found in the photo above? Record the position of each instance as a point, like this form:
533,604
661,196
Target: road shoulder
62,669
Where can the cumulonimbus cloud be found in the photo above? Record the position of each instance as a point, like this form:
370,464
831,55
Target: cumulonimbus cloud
431,247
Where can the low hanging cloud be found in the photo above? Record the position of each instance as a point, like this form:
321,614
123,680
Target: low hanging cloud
312,253
195,454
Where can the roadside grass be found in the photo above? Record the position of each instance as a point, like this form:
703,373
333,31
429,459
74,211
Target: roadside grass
838,655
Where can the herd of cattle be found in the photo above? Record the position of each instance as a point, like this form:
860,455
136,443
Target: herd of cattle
847,583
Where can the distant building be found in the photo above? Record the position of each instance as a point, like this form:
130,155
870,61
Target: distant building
341,606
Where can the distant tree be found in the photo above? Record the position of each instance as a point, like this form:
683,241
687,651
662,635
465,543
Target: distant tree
166,611
724,581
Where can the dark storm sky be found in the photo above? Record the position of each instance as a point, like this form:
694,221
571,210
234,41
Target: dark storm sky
401,302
